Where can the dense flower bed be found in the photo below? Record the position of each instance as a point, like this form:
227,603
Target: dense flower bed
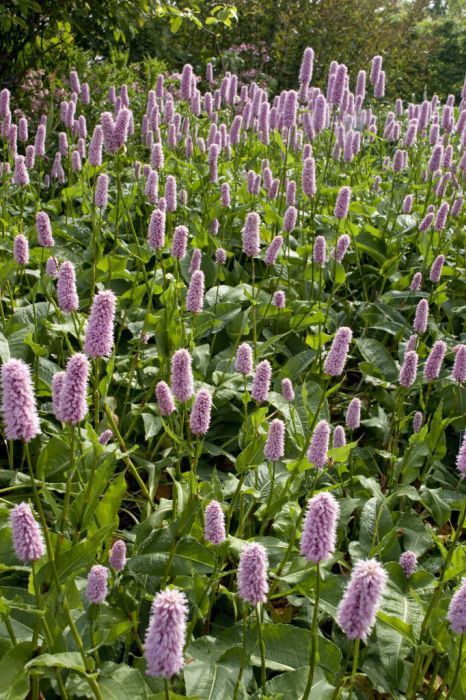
232,392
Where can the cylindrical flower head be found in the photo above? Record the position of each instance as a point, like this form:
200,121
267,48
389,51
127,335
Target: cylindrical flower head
279,299
101,191
461,458
339,437
289,220
408,562
376,67
342,203
214,523
164,398
95,147
320,528
105,436
339,83
182,383
39,141
99,332
165,636
199,420
117,556
186,83
97,590
58,380
225,194
408,369
353,414
287,390
180,241
20,173
441,218
195,295
361,601
73,405
51,267
170,193
318,117
407,204
456,615
31,159
156,231
308,182
18,402
436,269
274,448
27,536
435,158
307,64
416,282
379,89
220,256
121,128
317,452
66,287
243,360
251,237
44,230
426,223
459,367
195,262
21,249
338,353
273,250
417,421
434,361
341,247
252,574
261,385
319,253
420,319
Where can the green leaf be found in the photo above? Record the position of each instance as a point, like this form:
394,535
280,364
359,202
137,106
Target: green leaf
68,659
377,355
14,683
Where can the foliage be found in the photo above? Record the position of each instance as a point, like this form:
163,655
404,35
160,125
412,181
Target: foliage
397,489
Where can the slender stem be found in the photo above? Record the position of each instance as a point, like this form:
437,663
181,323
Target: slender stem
127,460
42,519
314,630
243,656
9,628
254,326
96,392
457,669
355,666
435,596
167,688
261,647
69,481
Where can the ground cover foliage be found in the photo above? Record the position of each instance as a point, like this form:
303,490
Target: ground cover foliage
146,237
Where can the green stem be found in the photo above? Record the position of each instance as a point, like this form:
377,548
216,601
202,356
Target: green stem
69,481
433,602
261,647
254,326
9,628
457,669
243,656
355,666
127,460
314,630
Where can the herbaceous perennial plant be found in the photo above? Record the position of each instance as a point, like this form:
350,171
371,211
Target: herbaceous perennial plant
232,391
